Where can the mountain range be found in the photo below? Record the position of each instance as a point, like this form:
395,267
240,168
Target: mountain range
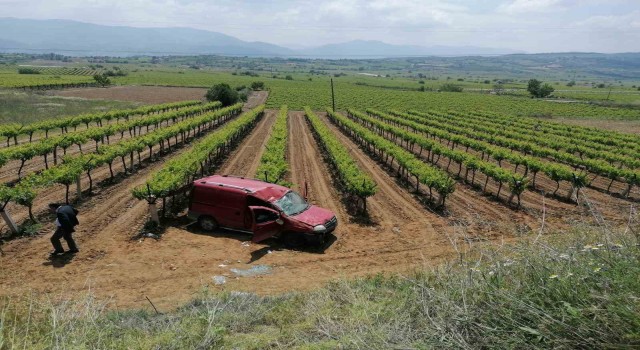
84,39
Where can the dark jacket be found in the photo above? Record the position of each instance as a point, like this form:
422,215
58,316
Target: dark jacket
67,217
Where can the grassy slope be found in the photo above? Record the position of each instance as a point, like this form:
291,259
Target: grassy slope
577,291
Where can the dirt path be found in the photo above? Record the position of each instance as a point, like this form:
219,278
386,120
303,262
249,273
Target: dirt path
308,169
255,99
244,161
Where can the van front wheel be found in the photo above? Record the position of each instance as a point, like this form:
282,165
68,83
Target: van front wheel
293,240
207,223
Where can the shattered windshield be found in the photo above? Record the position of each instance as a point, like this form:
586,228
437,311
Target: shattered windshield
292,203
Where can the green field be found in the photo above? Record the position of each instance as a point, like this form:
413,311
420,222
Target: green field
24,107
12,79
380,92
383,84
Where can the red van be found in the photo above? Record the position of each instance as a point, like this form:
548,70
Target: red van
258,207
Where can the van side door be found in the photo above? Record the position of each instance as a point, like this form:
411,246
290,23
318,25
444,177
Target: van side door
266,223
230,206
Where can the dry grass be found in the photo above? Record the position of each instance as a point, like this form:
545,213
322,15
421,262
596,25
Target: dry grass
578,290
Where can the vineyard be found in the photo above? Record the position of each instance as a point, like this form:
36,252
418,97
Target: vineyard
404,182
62,70
43,81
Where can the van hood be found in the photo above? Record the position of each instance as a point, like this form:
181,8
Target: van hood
314,216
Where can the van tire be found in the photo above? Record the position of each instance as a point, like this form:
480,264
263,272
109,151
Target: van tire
207,223
316,241
293,240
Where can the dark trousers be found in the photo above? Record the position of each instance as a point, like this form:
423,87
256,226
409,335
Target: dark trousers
61,233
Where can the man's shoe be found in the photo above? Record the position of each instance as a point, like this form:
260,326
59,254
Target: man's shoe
55,254
75,251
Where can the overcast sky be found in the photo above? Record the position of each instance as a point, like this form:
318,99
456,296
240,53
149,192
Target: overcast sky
527,25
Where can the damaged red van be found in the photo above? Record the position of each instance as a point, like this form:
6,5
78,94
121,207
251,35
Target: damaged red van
261,208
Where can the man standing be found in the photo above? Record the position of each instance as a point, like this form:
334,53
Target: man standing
66,222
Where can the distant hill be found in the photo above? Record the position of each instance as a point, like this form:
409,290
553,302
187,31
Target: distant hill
84,39
378,49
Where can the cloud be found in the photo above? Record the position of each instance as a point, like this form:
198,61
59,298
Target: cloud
630,21
531,6
562,25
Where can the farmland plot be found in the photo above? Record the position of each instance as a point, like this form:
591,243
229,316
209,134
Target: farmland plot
403,227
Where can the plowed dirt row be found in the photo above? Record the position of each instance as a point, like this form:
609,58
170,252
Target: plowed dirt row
399,234
476,216
557,211
110,263
402,233
244,161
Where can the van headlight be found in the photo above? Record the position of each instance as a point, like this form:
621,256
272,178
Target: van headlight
319,229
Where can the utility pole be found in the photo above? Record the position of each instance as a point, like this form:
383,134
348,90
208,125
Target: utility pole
333,96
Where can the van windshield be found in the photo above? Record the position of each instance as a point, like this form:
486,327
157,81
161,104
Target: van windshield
292,204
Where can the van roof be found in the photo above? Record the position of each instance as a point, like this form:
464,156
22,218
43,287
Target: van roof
259,189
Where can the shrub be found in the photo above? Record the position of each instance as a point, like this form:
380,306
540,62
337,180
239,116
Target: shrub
28,71
538,90
102,80
257,85
224,93
450,88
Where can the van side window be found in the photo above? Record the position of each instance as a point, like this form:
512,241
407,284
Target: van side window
256,202
265,216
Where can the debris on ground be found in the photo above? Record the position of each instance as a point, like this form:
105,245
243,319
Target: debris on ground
253,271
219,280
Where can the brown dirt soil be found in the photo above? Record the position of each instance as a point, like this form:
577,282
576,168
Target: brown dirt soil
146,94
399,234
110,263
244,161
625,126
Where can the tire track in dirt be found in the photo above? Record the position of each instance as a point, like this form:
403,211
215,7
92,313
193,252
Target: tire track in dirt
308,167
245,159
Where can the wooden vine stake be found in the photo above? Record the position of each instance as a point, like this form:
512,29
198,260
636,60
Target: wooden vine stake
78,188
9,221
153,209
